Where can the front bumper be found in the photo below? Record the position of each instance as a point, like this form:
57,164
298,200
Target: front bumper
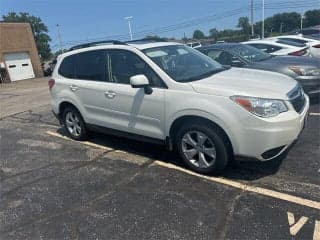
310,84
266,139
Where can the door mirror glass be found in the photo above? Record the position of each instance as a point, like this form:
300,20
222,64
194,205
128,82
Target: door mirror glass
141,81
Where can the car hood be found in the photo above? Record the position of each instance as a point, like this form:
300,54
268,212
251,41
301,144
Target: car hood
246,82
292,61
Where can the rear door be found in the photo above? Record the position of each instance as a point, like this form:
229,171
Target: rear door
85,78
130,109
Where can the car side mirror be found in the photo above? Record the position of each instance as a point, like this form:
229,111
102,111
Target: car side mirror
236,63
141,81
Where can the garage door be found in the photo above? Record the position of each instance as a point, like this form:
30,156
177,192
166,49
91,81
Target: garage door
19,66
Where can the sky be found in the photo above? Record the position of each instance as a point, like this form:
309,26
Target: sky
87,20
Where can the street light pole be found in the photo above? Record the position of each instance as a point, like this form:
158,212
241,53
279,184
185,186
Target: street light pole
129,24
59,37
252,26
262,35
301,22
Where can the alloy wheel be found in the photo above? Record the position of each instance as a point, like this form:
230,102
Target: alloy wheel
73,124
198,149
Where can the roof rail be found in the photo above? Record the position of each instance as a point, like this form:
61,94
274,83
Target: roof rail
92,44
147,40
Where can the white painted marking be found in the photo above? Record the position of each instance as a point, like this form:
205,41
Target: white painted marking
227,182
316,233
314,114
55,134
295,226
248,188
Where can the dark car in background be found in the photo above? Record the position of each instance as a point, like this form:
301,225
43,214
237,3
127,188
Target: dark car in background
305,70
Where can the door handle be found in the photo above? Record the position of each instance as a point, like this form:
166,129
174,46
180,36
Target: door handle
73,88
110,94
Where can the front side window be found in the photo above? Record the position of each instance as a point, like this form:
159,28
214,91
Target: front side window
182,63
221,57
250,53
265,47
125,64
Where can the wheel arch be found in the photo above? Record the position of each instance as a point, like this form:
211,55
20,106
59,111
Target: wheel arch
66,103
192,118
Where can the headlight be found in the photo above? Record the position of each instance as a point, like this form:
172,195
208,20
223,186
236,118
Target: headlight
305,71
261,107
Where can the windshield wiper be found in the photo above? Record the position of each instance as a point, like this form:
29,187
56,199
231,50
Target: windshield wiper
205,75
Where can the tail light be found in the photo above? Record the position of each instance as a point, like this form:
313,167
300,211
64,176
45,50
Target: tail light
299,53
316,46
51,83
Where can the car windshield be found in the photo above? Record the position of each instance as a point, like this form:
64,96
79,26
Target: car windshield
182,63
250,53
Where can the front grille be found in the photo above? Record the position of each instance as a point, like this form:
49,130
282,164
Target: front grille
297,98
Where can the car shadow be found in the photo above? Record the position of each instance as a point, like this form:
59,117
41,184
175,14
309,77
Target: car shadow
247,171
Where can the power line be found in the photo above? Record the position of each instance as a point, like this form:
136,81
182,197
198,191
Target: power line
199,21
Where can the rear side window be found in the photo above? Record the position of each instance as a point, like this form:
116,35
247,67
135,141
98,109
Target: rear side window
301,41
91,65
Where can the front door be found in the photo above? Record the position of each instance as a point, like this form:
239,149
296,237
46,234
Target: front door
132,110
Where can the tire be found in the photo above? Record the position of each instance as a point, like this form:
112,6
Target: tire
215,149
74,124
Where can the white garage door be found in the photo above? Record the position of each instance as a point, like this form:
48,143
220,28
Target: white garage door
19,66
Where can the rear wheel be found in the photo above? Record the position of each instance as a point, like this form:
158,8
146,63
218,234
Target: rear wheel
74,124
203,148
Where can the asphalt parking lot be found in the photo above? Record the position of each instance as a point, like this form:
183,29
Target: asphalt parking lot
111,188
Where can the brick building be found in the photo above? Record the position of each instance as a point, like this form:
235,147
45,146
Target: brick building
18,53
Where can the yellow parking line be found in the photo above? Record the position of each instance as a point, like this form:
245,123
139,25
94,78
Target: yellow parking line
227,182
248,188
314,114
90,144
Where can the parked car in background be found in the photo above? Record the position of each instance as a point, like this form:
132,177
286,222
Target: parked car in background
171,94
280,47
305,70
314,45
313,32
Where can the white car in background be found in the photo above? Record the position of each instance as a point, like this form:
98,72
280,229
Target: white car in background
194,44
280,47
314,45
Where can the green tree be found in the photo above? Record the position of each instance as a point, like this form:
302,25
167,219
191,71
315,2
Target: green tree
312,18
244,24
198,34
39,30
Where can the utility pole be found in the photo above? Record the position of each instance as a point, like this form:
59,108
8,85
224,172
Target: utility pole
59,38
129,24
252,27
262,34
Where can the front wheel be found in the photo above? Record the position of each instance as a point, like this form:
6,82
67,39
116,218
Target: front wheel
203,148
74,124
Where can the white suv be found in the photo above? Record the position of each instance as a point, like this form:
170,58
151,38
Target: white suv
171,94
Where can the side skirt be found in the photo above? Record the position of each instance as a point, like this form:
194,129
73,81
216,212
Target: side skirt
132,136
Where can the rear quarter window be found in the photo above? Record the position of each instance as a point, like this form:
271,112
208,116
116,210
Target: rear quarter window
67,67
